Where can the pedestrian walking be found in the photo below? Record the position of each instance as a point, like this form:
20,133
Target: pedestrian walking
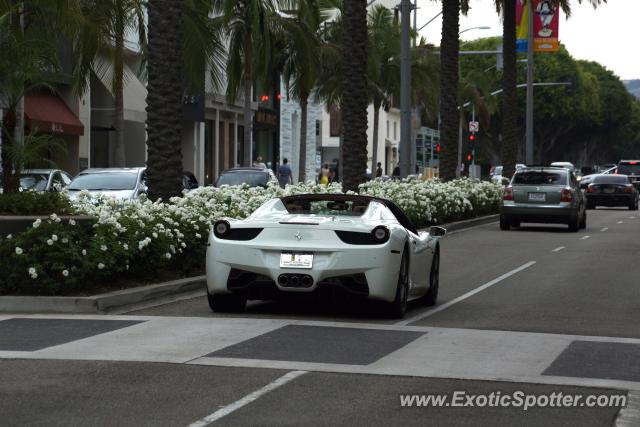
396,172
258,163
325,174
379,170
284,173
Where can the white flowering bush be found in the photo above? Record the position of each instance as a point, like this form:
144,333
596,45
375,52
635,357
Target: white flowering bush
138,238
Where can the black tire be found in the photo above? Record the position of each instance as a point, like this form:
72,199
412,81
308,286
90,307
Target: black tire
574,224
505,225
225,303
431,297
515,224
591,205
398,307
634,205
583,221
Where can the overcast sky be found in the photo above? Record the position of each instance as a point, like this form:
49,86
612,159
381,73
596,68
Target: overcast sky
608,35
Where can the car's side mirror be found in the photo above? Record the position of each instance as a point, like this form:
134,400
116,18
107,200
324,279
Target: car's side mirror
56,187
436,231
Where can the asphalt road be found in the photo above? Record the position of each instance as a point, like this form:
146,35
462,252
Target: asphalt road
536,280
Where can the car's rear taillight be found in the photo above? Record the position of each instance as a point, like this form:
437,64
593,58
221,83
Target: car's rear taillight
508,193
566,195
628,188
590,188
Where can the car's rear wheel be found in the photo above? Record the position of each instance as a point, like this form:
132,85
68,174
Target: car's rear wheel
431,297
634,205
505,225
574,223
583,221
591,205
398,307
221,303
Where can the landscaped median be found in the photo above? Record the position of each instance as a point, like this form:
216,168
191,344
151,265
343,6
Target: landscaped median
139,242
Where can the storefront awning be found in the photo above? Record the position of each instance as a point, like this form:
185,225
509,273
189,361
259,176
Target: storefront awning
51,115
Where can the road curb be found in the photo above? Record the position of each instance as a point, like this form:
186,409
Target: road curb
481,220
101,303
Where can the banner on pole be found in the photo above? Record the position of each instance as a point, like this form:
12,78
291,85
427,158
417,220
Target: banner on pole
545,25
522,16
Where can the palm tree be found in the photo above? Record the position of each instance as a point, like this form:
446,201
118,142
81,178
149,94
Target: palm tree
185,45
449,53
253,29
300,64
103,29
164,98
509,83
355,97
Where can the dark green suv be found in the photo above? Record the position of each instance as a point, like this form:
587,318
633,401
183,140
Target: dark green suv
543,194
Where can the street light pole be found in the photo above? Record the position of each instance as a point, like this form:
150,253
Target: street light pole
529,114
405,88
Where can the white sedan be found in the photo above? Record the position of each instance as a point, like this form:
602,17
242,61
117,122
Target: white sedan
359,245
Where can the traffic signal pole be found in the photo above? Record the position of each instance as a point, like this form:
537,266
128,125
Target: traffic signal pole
529,115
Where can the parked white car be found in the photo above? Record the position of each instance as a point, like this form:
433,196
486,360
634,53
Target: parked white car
360,245
119,183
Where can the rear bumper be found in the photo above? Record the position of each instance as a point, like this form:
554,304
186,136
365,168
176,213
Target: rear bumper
610,199
524,212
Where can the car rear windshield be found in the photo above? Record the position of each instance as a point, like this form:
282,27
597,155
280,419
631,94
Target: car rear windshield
327,207
611,179
540,178
629,169
253,179
107,181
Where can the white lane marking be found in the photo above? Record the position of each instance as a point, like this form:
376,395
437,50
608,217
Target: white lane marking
584,237
604,229
462,230
558,249
620,222
226,410
465,296
632,217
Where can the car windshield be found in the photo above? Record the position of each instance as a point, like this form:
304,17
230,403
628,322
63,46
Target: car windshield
629,169
253,179
540,178
327,207
611,179
105,181
34,181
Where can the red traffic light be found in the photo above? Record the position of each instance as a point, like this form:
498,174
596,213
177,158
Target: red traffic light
469,157
472,137
264,98
438,148
279,96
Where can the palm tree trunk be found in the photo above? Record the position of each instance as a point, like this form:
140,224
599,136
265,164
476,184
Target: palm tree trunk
248,123
118,77
376,123
449,52
164,99
509,148
302,163
355,97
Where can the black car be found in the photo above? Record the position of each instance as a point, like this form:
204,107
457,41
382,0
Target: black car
253,177
611,190
631,168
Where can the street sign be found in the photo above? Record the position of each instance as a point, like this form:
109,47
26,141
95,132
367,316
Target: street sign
474,126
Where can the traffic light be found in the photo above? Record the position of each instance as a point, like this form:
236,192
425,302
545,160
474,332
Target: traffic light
438,148
472,137
470,156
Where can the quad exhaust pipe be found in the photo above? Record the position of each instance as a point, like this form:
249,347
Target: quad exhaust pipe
295,280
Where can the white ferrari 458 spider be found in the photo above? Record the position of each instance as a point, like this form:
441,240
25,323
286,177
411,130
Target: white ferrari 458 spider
364,246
